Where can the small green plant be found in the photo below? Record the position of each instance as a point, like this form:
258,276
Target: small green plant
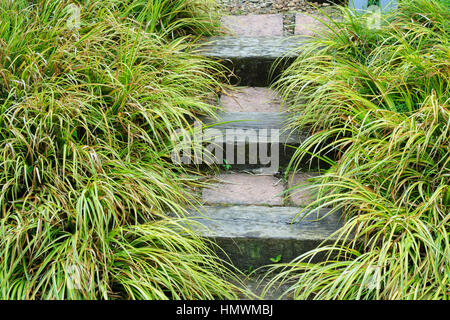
249,270
276,259
226,166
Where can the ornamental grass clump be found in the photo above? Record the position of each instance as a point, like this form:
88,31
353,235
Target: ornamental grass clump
376,97
170,18
86,179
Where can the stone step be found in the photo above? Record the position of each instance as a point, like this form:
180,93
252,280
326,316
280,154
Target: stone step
254,25
250,139
253,235
239,188
251,99
245,189
255,42
251,129
255,127
251,58
309,25
253,120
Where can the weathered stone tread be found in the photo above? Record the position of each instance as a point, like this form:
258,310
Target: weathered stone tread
251,59
252,47
266,222
256,121
251,99
254,25
250,236
247,189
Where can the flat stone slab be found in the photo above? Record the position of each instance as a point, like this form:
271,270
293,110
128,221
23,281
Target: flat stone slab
307,25
298,184
251,99
254,25
252,235
267,222
253,125
249,47
245,189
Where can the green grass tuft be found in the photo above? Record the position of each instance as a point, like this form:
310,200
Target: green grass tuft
376,99
86,178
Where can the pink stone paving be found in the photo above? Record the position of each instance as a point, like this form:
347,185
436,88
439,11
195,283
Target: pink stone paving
254,25
251,99
241,188
300,196
306,25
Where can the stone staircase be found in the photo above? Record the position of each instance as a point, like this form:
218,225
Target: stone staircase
250,209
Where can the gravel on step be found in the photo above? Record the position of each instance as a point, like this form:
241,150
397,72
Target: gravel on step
269,6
